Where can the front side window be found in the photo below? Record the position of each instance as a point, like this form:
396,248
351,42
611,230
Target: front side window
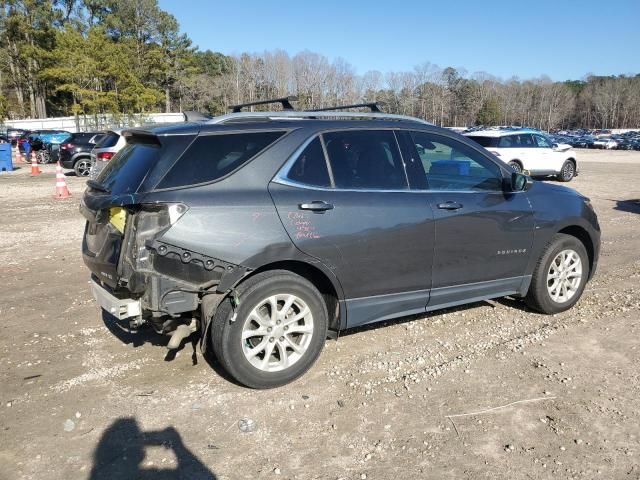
542,142
365,159
211,157
525,140
449,164
310,167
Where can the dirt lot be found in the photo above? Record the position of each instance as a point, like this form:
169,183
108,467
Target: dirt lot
82,399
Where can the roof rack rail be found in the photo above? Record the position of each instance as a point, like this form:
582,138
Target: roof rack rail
302,115
284,101
373,106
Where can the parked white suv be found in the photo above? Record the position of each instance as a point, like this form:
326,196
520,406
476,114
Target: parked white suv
529,151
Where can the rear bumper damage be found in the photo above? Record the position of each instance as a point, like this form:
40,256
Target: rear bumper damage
121,308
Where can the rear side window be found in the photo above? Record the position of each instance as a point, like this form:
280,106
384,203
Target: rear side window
365,159
311,167
485,141
108,141
211,157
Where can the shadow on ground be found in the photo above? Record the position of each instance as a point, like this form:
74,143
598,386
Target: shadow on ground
121,453
145,334
631,206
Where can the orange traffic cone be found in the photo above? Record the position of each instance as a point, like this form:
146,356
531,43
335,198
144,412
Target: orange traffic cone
61,185
35,170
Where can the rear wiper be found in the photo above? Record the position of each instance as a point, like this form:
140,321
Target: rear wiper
98,186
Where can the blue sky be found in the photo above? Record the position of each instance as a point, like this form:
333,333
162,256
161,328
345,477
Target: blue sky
563,39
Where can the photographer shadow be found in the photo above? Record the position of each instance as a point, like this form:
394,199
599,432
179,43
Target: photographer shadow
121,454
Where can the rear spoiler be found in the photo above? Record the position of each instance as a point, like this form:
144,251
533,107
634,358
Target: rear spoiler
141,136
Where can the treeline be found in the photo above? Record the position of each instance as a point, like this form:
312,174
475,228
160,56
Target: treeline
88,57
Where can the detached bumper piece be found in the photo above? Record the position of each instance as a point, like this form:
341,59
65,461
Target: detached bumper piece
120,308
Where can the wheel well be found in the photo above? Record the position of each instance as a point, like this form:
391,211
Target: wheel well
572,160
582,235
515,160
318,278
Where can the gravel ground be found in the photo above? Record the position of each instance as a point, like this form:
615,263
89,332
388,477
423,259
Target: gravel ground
490,390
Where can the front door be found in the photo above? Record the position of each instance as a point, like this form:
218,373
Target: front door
345,200
483,234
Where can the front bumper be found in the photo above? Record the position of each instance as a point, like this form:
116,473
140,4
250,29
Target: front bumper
120,308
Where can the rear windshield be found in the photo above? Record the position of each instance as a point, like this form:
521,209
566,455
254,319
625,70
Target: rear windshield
485,141
211,157
126,170
108,141
84,137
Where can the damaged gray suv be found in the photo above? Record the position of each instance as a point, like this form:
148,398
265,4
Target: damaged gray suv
266,233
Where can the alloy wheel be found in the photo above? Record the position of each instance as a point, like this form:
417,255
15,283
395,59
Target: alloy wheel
564,276
277,332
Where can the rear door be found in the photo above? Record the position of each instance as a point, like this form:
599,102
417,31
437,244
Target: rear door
483,234
344,199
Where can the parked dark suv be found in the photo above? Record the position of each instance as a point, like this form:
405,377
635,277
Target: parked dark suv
75,151
268,232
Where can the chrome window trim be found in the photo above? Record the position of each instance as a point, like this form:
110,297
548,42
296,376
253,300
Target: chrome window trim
281,176
291,183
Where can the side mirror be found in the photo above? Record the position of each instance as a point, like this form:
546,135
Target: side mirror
520,182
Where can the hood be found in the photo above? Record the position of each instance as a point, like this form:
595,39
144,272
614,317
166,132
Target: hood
553,188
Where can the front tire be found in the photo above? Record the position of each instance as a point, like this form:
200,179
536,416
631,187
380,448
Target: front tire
560,275
42,157
275,332
567,172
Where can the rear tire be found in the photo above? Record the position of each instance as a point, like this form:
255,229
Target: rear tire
567,172
82,167
517,167
560,275
265,347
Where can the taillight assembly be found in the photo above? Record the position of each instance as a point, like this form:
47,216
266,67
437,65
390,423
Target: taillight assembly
105,156
66,146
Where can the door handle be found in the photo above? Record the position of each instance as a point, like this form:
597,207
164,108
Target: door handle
316,206
450,206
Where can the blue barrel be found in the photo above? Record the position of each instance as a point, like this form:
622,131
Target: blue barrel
5,157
